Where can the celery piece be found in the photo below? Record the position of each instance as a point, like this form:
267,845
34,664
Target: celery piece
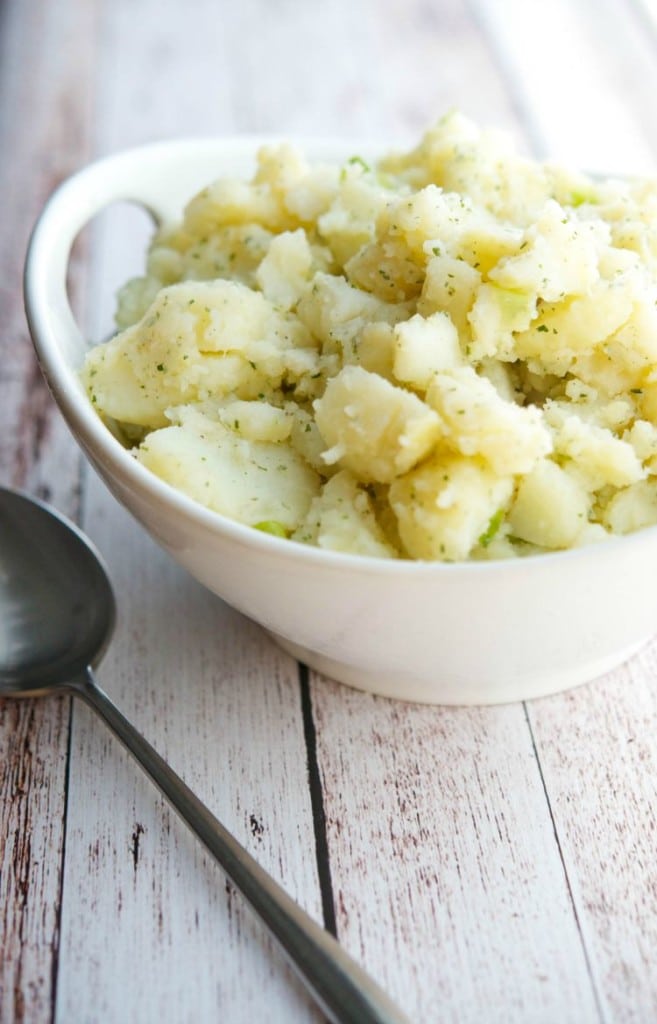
492,528
272,526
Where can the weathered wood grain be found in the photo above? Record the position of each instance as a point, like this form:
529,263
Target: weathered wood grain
432,58
598,753
447,879
484,864
45,94
579,72
597,746
441,841
205,685
45,132
32,769
578,113
148,919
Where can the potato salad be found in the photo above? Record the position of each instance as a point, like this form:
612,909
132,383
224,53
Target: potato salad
447,354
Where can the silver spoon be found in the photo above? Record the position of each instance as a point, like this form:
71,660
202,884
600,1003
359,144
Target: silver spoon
56,617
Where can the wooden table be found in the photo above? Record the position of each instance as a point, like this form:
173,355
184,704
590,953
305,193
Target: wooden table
492,864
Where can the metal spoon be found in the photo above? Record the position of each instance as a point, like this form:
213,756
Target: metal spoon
56,617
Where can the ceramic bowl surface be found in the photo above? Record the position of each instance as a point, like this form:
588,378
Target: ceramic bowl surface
473,633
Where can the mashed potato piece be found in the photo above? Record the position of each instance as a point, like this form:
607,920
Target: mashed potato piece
450,355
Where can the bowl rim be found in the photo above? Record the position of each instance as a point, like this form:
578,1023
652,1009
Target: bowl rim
52,326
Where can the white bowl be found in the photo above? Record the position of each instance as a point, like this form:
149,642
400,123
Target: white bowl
477,633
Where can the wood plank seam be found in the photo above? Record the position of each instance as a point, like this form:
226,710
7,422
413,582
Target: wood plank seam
645,13
562,859
317,805
530,129
536,142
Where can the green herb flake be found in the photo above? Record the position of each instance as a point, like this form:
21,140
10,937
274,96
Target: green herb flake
357,161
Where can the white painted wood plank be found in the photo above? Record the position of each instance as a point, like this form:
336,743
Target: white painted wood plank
372,69
598,751
566,80
184,947
378,70
148,921
45,98
646,10
432,58
446,876
39,87
596,745
556,1000
33,740
623,41
250,69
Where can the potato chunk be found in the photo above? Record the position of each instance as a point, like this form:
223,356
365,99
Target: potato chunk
373,428
341,518
196,339
285,270
423,347
560,257
445,506
478,421
551,507
250,481
450,286
599,457
632,508
496,315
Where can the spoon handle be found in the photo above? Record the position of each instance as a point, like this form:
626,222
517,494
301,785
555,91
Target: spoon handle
344,991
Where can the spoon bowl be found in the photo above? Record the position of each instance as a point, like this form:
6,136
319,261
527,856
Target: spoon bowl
57,604
57,614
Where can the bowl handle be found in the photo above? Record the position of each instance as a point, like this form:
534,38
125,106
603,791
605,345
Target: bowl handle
160,177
